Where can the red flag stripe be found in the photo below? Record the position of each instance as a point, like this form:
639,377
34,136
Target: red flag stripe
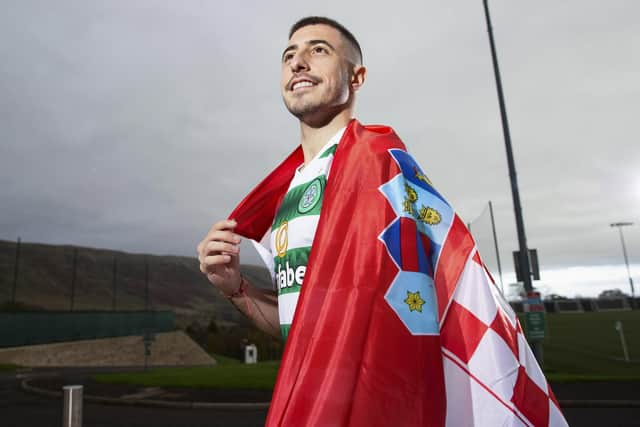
530,399
462,332
408,245
453,257
508,333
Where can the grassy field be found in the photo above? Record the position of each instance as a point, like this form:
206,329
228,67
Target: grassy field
228,374
7,367
587,345
578,347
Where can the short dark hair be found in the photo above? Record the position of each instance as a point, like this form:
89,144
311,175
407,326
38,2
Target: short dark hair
321,20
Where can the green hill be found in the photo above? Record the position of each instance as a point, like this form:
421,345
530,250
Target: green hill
175,283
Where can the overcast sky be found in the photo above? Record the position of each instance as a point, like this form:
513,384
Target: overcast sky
134,125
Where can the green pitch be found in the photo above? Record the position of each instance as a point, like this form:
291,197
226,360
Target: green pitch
587,345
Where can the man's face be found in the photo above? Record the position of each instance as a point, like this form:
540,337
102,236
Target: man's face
316,71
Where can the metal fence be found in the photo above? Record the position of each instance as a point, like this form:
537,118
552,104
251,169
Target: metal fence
18,329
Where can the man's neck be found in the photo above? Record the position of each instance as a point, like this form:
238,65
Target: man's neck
314,138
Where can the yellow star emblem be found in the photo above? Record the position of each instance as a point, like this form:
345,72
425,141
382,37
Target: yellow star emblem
414,301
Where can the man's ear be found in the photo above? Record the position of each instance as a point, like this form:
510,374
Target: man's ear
358,77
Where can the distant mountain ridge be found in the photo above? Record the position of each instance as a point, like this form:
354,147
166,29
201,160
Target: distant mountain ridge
45,275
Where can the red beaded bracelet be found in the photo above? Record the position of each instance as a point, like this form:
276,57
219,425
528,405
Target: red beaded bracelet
238,292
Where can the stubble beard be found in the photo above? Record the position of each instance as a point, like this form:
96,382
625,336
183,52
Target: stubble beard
313,110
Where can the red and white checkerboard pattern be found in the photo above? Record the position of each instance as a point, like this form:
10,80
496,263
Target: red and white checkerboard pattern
492,378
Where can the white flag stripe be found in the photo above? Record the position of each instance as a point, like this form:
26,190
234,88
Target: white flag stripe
446,310
458,393
474,294
556,419
461,383
494,364
469,403
501,301
488,411
528,360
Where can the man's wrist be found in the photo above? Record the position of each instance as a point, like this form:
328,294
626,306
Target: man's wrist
241,291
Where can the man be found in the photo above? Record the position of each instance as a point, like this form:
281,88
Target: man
397,322
321,72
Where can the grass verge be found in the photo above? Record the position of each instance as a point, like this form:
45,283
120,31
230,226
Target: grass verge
8,367
224,360
225,376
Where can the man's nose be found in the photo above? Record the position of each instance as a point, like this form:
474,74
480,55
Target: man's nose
299,63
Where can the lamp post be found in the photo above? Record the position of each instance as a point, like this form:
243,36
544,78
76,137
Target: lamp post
619,225
523,259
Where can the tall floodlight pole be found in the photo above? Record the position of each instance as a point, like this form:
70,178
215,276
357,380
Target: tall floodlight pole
522,239
619,225
523,259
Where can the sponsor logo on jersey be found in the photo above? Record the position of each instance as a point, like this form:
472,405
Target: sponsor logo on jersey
282,239
288,276
311,196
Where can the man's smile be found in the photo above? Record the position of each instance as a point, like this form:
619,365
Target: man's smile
299,83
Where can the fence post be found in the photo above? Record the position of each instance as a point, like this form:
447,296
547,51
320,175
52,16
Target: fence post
72,411
16,268
115,282
147,302
73,278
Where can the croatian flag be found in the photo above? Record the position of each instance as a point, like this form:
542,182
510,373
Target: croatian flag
398,322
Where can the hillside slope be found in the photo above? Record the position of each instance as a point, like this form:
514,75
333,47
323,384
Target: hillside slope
45,276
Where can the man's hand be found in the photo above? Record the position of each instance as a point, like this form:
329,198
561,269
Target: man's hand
219,256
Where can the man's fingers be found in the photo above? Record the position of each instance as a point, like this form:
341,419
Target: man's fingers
222,236
217,246
225,224
216,260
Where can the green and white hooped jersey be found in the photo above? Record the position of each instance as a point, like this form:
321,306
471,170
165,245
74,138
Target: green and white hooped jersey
294,228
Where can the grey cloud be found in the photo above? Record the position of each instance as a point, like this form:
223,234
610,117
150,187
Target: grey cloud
135,125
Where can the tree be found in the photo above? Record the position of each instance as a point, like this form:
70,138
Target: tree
612,294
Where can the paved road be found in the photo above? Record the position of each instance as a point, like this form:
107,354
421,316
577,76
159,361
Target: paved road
606,417
18,408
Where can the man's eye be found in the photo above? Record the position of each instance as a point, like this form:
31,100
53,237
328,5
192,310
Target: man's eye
287,57
319,49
